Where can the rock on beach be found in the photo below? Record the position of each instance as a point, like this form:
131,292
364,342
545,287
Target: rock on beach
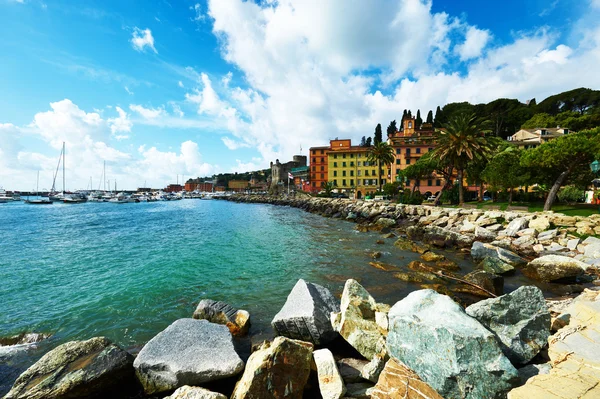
188,352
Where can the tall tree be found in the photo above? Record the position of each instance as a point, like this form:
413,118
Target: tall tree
363,141
404,116
430,165
563,160
505,172
392,129
429,117
460,142
378,136
418,120
369,142
409,115
438,119
383,154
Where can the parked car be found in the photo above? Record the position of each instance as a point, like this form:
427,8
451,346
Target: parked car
487,198
431,198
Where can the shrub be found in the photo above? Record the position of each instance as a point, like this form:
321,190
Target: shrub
571,194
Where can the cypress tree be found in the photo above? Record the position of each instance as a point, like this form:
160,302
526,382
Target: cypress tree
392,129
429,117
363,141
378,136
418,120
437,121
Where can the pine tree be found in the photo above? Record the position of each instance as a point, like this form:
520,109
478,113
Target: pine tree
378,136
392,129
438,120
429,117
418,120
368,142
363,141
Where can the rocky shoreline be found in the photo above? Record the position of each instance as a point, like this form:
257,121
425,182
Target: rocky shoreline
427,345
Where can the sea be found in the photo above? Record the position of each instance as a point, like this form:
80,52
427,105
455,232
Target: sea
127,271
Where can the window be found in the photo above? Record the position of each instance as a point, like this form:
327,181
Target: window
359,173
352,163
335,182
313,152
335,156
344,156
430,149
408,151
418,150
397,161
351,155
359,163
322,168
322,159
344,164
335,173
398,150
314,184
351,173
430,182
314,168
409,125
344,173
367,172
438,182
358,182
335,164
344,183
397,171
314,160
351,182
322,175
322,152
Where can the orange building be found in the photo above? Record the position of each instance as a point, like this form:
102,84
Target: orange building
409,145
318,168
238,185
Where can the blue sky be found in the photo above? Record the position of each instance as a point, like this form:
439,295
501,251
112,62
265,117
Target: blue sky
165,88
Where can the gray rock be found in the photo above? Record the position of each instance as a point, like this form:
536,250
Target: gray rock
547,235
448,349
489,281
358,390
531,370
514,226
520,320
480,251
351,369
306,314
238,321
495,265
386,222
442,237
554,267
188,352
188,392
483,234
572,244
331,383
92,368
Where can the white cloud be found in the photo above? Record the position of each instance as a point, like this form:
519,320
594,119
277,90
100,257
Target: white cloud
180,84
227,79
120,124
208,100
475,42
595,3
147,113
177,109
233,144
129,91
142,39
198,16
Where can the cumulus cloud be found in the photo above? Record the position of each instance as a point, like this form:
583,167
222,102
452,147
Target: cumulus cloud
208,100
142,39
198,15
475,42
120,124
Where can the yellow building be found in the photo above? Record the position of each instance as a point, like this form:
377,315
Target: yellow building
350,171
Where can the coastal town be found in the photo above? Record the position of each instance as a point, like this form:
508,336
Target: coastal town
264,199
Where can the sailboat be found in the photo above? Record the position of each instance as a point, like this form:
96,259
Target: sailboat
41,201
54,195
73,198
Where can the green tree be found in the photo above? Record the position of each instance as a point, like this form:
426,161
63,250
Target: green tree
383,154
328,187
369,142
504,171
391,129
392,189
563,160
540,120
418,120
461,141
429,117
571,194
428,166
378,135
363,141
439,117
580,100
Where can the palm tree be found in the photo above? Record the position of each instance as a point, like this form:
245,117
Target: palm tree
460,142
383,154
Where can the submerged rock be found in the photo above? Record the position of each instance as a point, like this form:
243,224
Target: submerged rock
331,383
399,382
188,392
357,320
432,257
306,314
279,369
188,352
92,368
448,349
495,265
238,321
520,320
554,267
489,281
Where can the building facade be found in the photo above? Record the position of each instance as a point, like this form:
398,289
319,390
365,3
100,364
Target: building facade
531,138
198,185
350,171
318,168
238,186
280,171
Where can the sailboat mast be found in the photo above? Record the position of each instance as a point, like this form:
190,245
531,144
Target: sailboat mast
104,176
63,190
37,185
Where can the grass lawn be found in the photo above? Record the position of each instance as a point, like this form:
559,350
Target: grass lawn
569,210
